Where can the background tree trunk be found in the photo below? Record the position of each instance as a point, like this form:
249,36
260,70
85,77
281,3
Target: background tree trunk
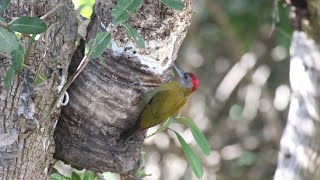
104,99
300,147
26,147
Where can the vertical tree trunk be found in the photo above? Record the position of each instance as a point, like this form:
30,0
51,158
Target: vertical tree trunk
300,146
104,98
26,144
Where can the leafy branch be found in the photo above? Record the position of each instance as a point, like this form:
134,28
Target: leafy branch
11,36
197,135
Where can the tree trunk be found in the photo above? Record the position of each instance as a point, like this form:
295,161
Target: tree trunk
104,99
26,143
300,145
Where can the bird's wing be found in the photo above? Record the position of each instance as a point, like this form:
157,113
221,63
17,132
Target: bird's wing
167,102
146,97
163,105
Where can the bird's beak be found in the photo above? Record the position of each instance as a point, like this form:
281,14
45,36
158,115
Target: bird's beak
180,71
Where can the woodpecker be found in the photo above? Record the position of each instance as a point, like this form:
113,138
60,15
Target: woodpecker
164,102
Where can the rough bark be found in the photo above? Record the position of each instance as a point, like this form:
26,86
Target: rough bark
26,147
300,147
104,98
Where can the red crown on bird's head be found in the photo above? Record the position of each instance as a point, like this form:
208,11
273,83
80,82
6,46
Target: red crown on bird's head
195,81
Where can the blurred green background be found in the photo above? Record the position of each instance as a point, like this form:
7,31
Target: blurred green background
239,49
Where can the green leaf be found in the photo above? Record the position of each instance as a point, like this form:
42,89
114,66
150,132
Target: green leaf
141,174
3,5
174,4
89,175
9,78
75,176
101,42
163,126
64,169
57,176
28,25
40,78
191,156
8,41
102,60
120,13
137,38
17,59
197,134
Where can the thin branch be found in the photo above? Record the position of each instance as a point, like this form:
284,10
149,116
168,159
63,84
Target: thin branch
53,10
80,68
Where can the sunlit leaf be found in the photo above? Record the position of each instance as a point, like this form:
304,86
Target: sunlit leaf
101,43
135,35
111,176
17,56
62,168
120,13
57,176
191,156
28,25
3,5
174,4
9,78
197,134
86,11
8,42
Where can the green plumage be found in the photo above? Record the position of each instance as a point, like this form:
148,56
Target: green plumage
166,102
159,105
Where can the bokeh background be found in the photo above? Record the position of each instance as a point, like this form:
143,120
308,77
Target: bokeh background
239,49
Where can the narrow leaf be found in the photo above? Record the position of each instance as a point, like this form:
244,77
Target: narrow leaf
89,175
28,25
40,78
191,156
141,174
9,78
135,35
197,134
17,59
8,41
57,176
177,5
102,41
120,13
3,5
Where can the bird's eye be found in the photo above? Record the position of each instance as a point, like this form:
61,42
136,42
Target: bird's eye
185,76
